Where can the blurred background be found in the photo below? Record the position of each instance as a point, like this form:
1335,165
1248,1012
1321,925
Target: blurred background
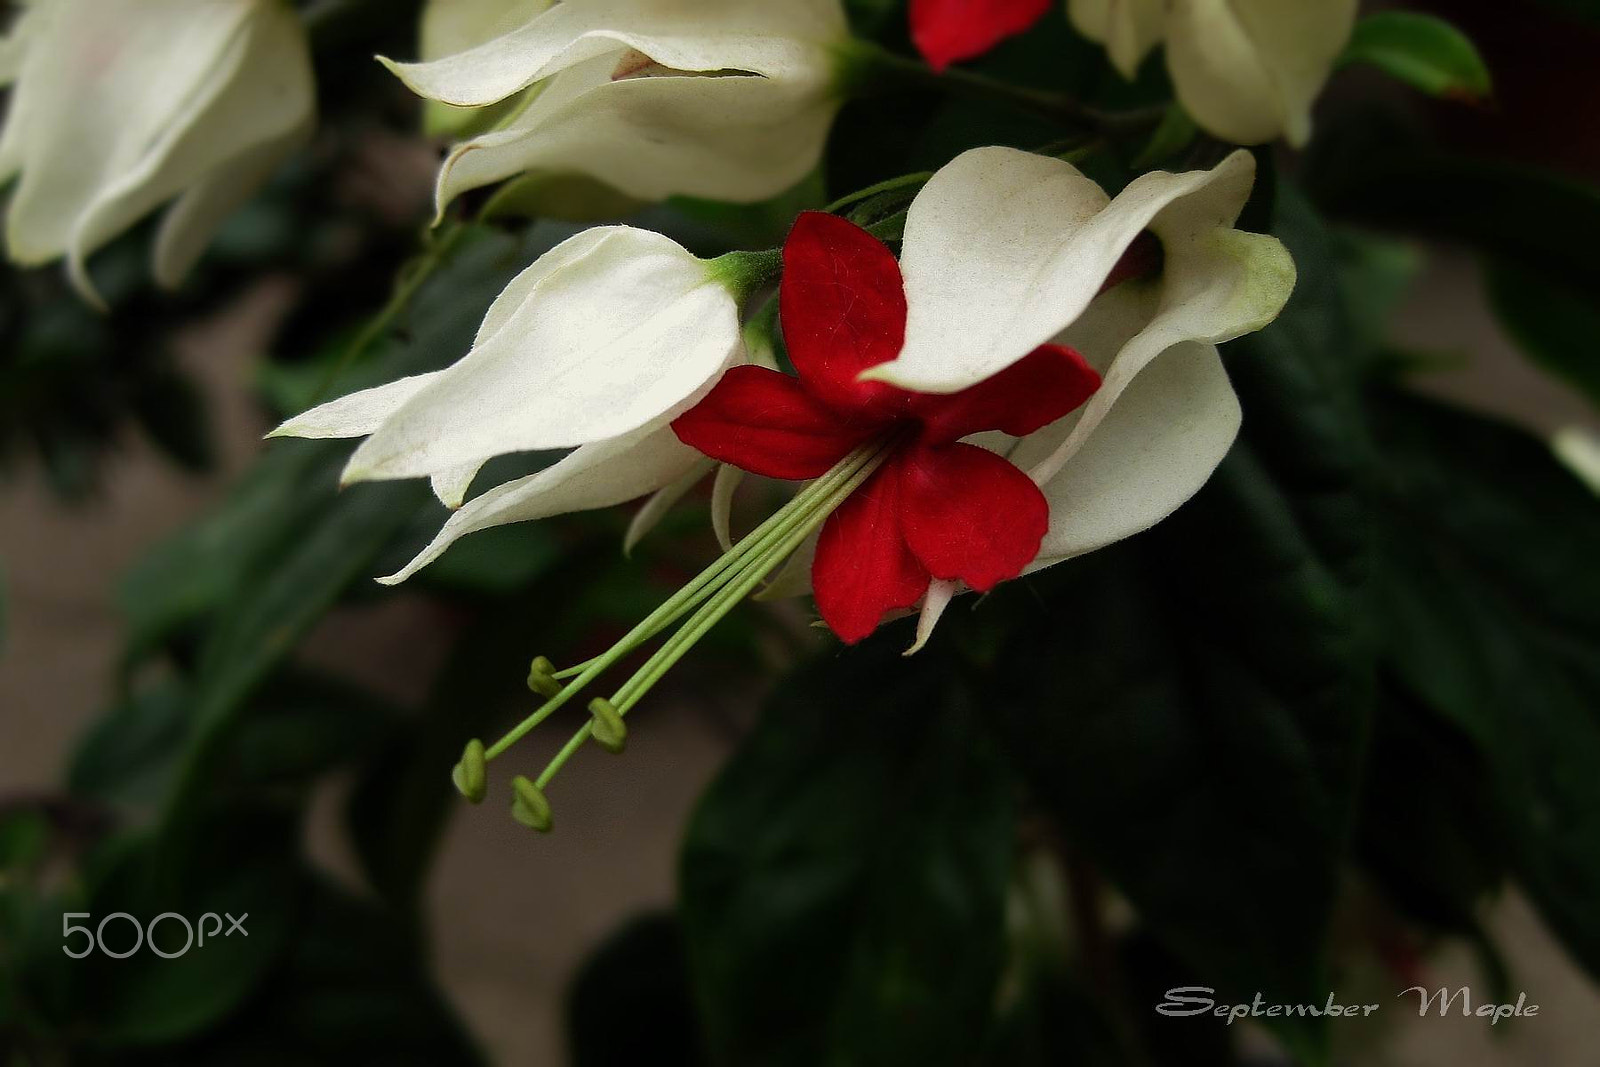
125,442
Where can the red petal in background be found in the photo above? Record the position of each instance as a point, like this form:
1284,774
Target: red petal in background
844,310
946,31
1038,389
969,515
766,423
863,568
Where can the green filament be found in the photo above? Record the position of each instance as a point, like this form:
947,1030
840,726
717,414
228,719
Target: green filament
698,606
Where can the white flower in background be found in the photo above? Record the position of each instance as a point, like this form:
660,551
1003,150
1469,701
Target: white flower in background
724,99
1247,70
121,106
596,347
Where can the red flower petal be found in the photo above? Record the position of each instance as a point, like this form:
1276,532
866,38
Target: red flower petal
1048,383
863,568
969,515
844,310
766,423
946,31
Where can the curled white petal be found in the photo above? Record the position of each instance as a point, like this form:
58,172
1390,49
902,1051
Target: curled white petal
723,98
722,493
451,486
940,594
356,414
711,35
1005,249
595,476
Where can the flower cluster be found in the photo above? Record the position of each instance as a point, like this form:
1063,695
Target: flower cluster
1036,377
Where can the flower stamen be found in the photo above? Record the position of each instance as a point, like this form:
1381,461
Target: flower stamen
699,606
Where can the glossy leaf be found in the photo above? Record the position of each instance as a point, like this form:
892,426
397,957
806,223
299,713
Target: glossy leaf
1424,51
1490,607
352,987
1554,321
843,880
639,974
1201,739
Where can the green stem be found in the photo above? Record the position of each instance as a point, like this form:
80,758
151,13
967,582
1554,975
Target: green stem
893,184
774,548
405,288
867,68
778,549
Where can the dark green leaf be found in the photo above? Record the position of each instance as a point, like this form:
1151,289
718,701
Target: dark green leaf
843,882
1424,51
1555,322
349,986
631,1004
404,798
241,864
1430,828
172,411
1533,217
129,754
1491,614
1375,274
1191,707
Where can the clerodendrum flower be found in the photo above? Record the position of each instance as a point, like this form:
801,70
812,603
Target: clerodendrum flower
120,106
724,99
1036,378
1005,311
1247,70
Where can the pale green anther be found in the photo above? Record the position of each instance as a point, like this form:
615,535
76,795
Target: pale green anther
608,728
529,807
542,678
471,775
